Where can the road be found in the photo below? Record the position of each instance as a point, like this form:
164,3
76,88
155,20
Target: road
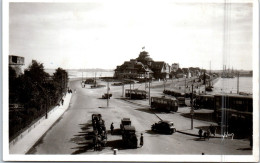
69,134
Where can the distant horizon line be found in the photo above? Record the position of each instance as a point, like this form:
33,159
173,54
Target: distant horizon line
109,69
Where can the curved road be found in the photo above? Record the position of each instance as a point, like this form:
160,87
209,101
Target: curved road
69,134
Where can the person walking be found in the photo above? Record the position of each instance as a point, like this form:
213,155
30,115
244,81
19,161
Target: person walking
200,133
141,140
208,134
112,128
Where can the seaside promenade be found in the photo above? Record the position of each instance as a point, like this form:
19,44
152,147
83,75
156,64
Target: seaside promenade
68,134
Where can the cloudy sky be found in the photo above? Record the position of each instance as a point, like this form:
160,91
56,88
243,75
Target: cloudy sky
105,34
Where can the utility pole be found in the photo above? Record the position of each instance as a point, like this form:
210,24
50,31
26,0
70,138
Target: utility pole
123,88
149,93
164,84
108,94
192,110
237,82
130,91
185,86
145,84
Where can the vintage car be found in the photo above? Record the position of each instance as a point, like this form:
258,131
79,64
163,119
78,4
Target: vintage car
125,122
164,127
129,137
105,96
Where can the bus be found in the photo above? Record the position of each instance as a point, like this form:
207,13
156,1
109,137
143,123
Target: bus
164,104
135,94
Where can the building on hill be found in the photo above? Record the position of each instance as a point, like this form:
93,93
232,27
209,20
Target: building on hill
133,69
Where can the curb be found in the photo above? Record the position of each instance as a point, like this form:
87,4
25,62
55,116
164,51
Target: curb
186,133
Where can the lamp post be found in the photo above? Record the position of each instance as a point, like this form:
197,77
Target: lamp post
149,93
108,93
192,109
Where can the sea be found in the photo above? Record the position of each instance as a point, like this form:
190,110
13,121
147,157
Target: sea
222,85
229,85
74,74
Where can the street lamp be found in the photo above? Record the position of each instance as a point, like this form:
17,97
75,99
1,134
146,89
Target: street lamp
192,109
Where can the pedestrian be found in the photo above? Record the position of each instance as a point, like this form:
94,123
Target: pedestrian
62,101
205,135
208,134
200,133
112,128
141,140
212,130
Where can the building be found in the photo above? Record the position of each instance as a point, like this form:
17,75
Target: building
133,69
161,70
175,67
16,62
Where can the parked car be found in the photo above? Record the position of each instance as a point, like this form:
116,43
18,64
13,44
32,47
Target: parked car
164,127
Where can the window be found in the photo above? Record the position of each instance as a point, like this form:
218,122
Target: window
14,59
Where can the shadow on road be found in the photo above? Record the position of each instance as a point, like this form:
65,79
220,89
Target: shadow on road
155,133
115,144
85,126
201,116
84,139
147,110
115,132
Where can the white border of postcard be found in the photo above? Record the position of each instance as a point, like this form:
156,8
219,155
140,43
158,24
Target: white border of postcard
152,158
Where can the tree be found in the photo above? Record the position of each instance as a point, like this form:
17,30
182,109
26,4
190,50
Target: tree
35,72
60,77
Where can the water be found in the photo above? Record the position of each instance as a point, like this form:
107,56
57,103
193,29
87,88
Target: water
227,85
85,74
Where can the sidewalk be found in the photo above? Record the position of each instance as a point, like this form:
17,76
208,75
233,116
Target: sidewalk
27,139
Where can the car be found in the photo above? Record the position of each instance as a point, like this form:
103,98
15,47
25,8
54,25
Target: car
129,137
164,127
125,122
105,96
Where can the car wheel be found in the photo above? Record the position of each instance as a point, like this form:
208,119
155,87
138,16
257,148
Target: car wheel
171,131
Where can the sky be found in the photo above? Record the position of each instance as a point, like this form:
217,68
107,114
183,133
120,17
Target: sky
105,34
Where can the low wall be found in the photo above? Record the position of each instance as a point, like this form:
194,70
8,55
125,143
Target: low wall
65,106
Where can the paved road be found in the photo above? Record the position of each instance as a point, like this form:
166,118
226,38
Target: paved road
69,134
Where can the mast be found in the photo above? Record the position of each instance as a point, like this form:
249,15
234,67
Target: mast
237,82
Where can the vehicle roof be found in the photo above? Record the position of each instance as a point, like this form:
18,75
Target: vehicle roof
129,128
235,95
96,114
166,121
166,98
125,119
